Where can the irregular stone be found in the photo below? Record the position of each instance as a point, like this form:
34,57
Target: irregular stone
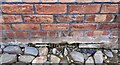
77,56
54,50
13,49
26,58
65,52
98,56
2,46
31,51
0,50
108,53
115,51
41,59
90,60
54,59
43,51
8,58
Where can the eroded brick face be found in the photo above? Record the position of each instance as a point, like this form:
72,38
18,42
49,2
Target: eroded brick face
17,8
50,8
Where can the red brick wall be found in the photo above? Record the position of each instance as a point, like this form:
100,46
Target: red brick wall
26,19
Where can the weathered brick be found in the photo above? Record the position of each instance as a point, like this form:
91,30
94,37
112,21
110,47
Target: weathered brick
13,0
99,18
76,33
108,26
10,35
50,8
102,0
86,26
84,8
115,34
66,1
17,8
115,0
97,33
70,18
84,1
17,35
58,27
31,0
43,34
38,18
12,18
6,27
110,8
26,27
49,0
22,35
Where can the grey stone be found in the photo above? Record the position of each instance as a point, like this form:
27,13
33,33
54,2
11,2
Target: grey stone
0,50
43,51
19,63
77,56
65,52
2,46
31,51
26,58
108,53
8,58
41,59
98,56
13,49
90,60
54,59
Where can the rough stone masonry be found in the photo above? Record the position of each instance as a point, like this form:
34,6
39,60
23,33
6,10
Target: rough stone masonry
94,23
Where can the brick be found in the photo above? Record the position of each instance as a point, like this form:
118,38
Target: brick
6,27
66,1
99,18
84,8
22,35
84,1
115,34
31,0
70,18
26,27
49,0
13,0
115,0
110,8
43,34
50,8
97,33
102,0
17,8
17,35
52,27
81,26
76,33
108,26
12,18
10,35
39,18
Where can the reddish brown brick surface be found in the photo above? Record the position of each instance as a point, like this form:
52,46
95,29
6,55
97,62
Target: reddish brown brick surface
12,18
48,0
70,18
17,8
58,27
6,27
100,18
110,8
109,26
31,0
51,8
85,8
39,18
25,27
83,26
66,1
97,33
